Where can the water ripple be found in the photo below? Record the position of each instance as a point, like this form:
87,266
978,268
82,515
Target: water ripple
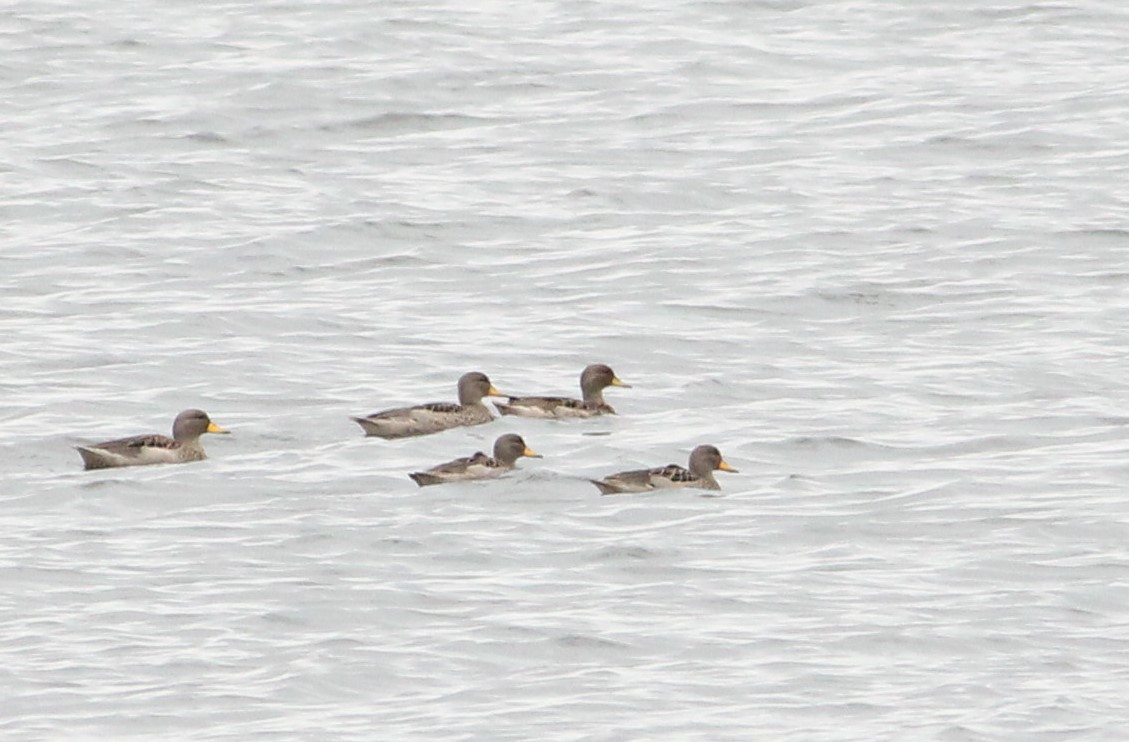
876,254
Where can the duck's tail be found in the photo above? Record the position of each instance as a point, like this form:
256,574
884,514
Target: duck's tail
92,458
423,479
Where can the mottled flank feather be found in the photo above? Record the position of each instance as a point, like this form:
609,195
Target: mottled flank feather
554,408
155,440
475,466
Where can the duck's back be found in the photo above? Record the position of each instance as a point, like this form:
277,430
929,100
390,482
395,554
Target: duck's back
405,422
551,407
138,450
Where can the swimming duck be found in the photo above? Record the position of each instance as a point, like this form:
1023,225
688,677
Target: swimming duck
140,450
593,380
507,450
404,422
704,460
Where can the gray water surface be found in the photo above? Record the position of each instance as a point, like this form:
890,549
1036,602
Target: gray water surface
877,252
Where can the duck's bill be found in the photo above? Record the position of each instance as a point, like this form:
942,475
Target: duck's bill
617,382
531,453
492,392
213,428
726,467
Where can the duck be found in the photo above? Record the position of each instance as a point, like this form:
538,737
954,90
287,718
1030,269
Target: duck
593,380
507,450
154,448
424,419
704,461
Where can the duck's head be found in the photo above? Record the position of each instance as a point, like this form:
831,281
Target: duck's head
474,386
594,378
704,460
191,424
510,447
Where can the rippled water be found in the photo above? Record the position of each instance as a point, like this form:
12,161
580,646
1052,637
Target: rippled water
876,252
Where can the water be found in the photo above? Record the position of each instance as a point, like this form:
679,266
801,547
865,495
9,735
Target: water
875,252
